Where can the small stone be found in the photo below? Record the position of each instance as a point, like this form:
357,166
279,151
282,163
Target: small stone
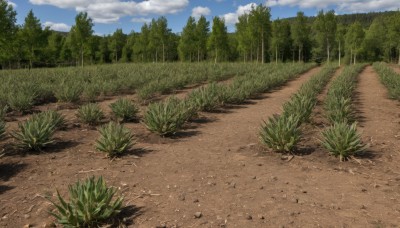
232,185
259,164
294,200
182,197
274,178
363,207
255,177
198,215
249,217
49,225
26,216
363,190
27,226
262,187
261,217
305,192
195,201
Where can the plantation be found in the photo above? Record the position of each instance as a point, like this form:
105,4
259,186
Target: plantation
180,145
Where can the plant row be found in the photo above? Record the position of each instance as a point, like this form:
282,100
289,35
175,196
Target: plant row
341,138
169,116
389,78
282,132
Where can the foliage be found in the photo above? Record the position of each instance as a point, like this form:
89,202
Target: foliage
35,133
90,204
281,133
206,98
124,109
166,118
53,117
342,140
90,114
21,101
69,92
2,129
389,78
114,139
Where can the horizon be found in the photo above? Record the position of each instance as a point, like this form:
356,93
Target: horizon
109,15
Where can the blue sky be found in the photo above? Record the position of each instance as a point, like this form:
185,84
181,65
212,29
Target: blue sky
108,15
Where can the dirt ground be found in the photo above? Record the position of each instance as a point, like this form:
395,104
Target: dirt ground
218,168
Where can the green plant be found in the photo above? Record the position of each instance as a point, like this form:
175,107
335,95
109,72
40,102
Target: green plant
69,92
114,139
207,98
300,106
165,117
124,109
342,140
21,101
281,133
90,204
2,129
3,112
54,117
90,114
339,110
35,133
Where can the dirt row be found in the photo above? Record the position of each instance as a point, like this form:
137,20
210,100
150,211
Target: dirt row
218,169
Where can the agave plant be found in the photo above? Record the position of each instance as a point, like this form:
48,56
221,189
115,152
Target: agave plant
90,204
21,101
124,109
54,117
300,106
114,139
339,109
206,98
281,133
166,117
35,133
342,140
69,92
90,114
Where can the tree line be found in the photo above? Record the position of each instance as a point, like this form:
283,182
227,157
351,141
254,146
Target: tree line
257,39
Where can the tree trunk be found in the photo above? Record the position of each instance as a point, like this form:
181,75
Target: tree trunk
262,47
163,52
355,58
299,54
216,56
339,53
399,57
327,50
198,55
276,54
82,55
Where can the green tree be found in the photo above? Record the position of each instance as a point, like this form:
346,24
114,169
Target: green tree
8,30
325,26
33,36
244,37
141,48
373,47
187,44
218,40
340,39
81,33
118,41
54,46
260,24
394,33
354,38
104,51
280,42
127,51
300,34
202,30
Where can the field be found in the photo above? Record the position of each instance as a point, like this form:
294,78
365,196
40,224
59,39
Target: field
208,167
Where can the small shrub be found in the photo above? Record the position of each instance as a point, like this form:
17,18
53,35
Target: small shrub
166,117
2,129
3,112
124,109
300,106
54,117
206,98
91,92
90,204
342,140
115,139
90,114
69,92
281,133
21,102
35,133
339,109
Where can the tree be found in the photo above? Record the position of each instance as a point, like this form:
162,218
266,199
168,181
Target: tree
354,39
54,46
159,35
81,33
141,47
300,33
188,42
118,40
202,30
394,32
8,29
244,37
373,46
218,40
260,24
325,26
32,36
280,42
104,52
340,38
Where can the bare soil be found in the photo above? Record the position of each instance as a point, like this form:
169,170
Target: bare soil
218,167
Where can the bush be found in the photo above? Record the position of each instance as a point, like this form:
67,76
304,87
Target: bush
207,98
166,117
281,133
115,139
90,204
300,106
21,102
342,140
124,109
90,114
2,129
3,112
35,133
339,110
53,117
69,92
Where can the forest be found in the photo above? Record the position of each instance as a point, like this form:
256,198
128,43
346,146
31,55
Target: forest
257,38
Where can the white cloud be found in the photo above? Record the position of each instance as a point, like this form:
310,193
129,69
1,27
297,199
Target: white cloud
110,11
57,26
141,20
349,6
232,18
199,10
12,4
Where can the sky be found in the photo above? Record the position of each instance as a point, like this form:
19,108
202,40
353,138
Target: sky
129,15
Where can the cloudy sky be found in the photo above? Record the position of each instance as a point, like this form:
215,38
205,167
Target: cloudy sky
108,15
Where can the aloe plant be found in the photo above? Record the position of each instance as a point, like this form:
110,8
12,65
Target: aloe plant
34,134
124,109
52,116
114,139
90,114
342,140
281,133
90,204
